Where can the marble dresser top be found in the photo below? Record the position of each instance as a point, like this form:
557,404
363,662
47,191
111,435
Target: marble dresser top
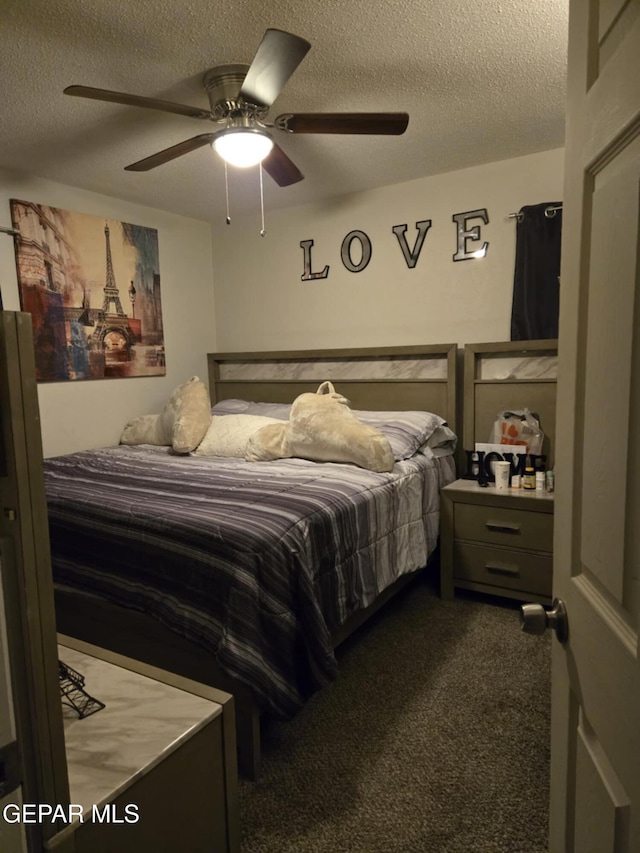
142,722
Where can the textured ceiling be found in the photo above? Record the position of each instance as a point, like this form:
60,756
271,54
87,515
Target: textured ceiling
482,80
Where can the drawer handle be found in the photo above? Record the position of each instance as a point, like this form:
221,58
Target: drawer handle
503,526
502,568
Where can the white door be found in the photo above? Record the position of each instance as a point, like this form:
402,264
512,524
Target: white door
595,748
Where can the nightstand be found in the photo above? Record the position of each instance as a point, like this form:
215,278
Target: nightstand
499,542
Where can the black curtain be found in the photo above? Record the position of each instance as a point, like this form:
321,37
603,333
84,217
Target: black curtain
536,289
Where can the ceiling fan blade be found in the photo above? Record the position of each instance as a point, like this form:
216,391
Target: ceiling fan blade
390,124
136,101
171,153
283,170
278,55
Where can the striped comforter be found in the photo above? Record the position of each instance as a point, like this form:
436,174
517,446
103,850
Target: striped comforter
256,562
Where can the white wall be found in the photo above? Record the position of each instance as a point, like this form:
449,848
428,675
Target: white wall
83,414
261,303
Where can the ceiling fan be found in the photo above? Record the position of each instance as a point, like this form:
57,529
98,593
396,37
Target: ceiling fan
240,98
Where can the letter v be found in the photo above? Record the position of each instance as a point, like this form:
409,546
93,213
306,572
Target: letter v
411,255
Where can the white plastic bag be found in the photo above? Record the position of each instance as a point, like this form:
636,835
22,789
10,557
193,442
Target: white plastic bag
518,427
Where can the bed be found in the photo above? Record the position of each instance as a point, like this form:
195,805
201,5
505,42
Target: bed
247,575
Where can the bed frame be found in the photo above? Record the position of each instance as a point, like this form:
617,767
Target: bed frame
383,378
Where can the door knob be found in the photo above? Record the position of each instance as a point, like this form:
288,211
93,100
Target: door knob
535,619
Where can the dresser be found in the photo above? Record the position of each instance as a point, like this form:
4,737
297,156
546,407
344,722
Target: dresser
155,768
497,542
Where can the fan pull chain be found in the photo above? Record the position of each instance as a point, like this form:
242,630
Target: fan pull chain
262,232
226,189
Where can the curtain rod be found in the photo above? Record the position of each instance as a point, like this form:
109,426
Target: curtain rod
549,212
11,231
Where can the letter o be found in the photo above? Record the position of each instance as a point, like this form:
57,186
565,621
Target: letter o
345,251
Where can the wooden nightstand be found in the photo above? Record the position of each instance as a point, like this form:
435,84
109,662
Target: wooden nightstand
496,542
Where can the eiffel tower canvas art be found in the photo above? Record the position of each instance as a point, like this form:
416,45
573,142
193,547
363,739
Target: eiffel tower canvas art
92,287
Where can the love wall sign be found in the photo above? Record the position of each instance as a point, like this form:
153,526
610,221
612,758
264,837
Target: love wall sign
469,245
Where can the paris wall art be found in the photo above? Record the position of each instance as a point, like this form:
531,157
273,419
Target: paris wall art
92,287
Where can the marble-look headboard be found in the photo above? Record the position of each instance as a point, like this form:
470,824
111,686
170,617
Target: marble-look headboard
509,375
380,378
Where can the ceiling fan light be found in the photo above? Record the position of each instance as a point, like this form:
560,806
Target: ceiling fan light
240,147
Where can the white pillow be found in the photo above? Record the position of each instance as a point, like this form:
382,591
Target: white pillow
228,434
147,429
187,415
181,425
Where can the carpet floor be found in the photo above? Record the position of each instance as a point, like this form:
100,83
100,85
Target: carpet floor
433,739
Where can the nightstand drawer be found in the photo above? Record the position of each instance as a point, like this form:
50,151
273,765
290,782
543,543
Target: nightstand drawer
503,567
511,528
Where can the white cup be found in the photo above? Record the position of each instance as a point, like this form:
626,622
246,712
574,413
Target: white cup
502,473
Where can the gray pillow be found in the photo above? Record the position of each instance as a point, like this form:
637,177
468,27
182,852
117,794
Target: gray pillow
407,431
244,407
